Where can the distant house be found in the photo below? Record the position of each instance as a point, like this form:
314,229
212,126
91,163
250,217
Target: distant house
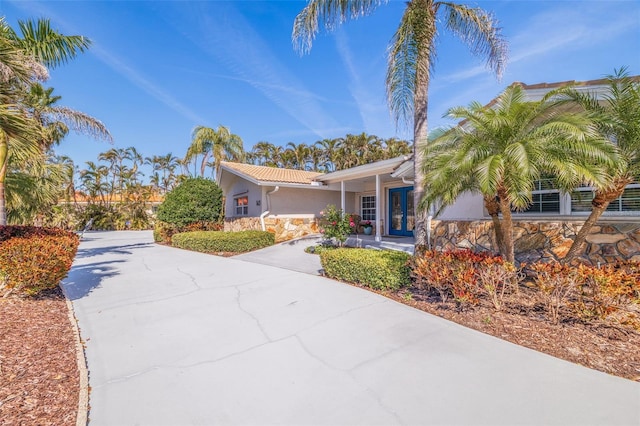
289,202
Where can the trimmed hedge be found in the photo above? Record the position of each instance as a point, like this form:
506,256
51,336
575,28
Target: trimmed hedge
33,259
162,231
218,241
378,269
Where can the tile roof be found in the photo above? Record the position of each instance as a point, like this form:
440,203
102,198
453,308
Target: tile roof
272,174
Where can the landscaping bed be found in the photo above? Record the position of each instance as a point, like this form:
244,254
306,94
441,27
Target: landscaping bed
38,364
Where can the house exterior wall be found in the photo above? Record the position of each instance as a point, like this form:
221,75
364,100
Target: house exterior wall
301,202
469,206
543,240
240,187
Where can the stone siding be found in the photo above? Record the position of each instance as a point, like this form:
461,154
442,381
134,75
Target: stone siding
284,228
541,240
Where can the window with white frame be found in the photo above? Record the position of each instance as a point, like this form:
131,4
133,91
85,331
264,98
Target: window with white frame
629,201
241,205
368,207
544,198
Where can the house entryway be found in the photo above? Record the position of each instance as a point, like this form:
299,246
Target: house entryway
401,218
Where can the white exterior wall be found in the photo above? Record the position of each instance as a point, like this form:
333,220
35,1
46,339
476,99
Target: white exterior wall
468,206
301,202
239,187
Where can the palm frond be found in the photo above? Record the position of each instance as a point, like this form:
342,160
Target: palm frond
330,13
478,30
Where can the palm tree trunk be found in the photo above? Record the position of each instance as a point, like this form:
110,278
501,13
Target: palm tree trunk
4,159
493,207
600,203
507,227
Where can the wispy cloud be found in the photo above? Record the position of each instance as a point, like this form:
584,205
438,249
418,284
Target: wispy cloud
371,107
145,84
225,34
117,64
562,29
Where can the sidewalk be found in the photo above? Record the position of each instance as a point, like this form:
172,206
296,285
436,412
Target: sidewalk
181,338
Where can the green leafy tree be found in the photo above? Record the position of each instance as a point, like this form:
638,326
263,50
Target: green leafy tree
412,55
502,149
194,200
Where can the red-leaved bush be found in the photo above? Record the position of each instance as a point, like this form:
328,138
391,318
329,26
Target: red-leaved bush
33,259
464,275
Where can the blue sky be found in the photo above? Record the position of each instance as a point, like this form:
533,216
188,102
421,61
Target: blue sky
157,69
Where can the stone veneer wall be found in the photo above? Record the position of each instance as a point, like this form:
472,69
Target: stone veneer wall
284,228
540,240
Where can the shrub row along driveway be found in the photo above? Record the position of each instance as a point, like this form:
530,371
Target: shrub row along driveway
177,337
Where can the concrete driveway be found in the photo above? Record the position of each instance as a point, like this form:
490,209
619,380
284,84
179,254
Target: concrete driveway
181,338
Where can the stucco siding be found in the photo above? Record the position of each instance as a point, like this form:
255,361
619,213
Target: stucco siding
240,187
300,202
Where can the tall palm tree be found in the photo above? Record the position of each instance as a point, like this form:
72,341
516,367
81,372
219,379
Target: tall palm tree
220,144
501,150
412,55
24,57
40,103
618,119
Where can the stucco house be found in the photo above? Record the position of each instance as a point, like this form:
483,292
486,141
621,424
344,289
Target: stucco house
289,203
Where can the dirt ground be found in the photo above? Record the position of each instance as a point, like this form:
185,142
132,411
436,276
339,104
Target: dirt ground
38,366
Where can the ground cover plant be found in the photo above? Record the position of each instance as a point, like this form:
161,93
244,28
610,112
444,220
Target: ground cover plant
223,242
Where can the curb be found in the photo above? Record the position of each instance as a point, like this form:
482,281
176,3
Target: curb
83,397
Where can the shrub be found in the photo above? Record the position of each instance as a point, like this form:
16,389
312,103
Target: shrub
194,200
457,274
35,259
217,242
335,224
162,231
380,270
607,289
558,284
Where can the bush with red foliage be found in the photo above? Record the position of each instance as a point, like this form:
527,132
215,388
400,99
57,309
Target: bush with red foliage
459,274
33,259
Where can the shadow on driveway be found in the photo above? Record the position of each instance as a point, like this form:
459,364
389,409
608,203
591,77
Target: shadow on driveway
126,249
82,279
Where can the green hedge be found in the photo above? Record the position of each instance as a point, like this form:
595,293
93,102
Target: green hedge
218,241
380,270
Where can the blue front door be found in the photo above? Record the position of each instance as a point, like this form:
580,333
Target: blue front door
401,219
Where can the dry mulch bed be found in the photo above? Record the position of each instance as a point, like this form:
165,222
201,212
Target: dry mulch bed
38,366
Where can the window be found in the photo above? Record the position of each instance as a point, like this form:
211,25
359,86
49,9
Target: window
368,207
242,206
544,198
629,201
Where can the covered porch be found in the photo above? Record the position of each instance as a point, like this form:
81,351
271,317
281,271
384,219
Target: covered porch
383,195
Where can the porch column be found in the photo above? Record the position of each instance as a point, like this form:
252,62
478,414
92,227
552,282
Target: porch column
342,198
378,211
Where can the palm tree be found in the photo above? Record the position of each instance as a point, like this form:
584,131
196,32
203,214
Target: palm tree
501,150
57,120
220,144
618,120
412,55
23,58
